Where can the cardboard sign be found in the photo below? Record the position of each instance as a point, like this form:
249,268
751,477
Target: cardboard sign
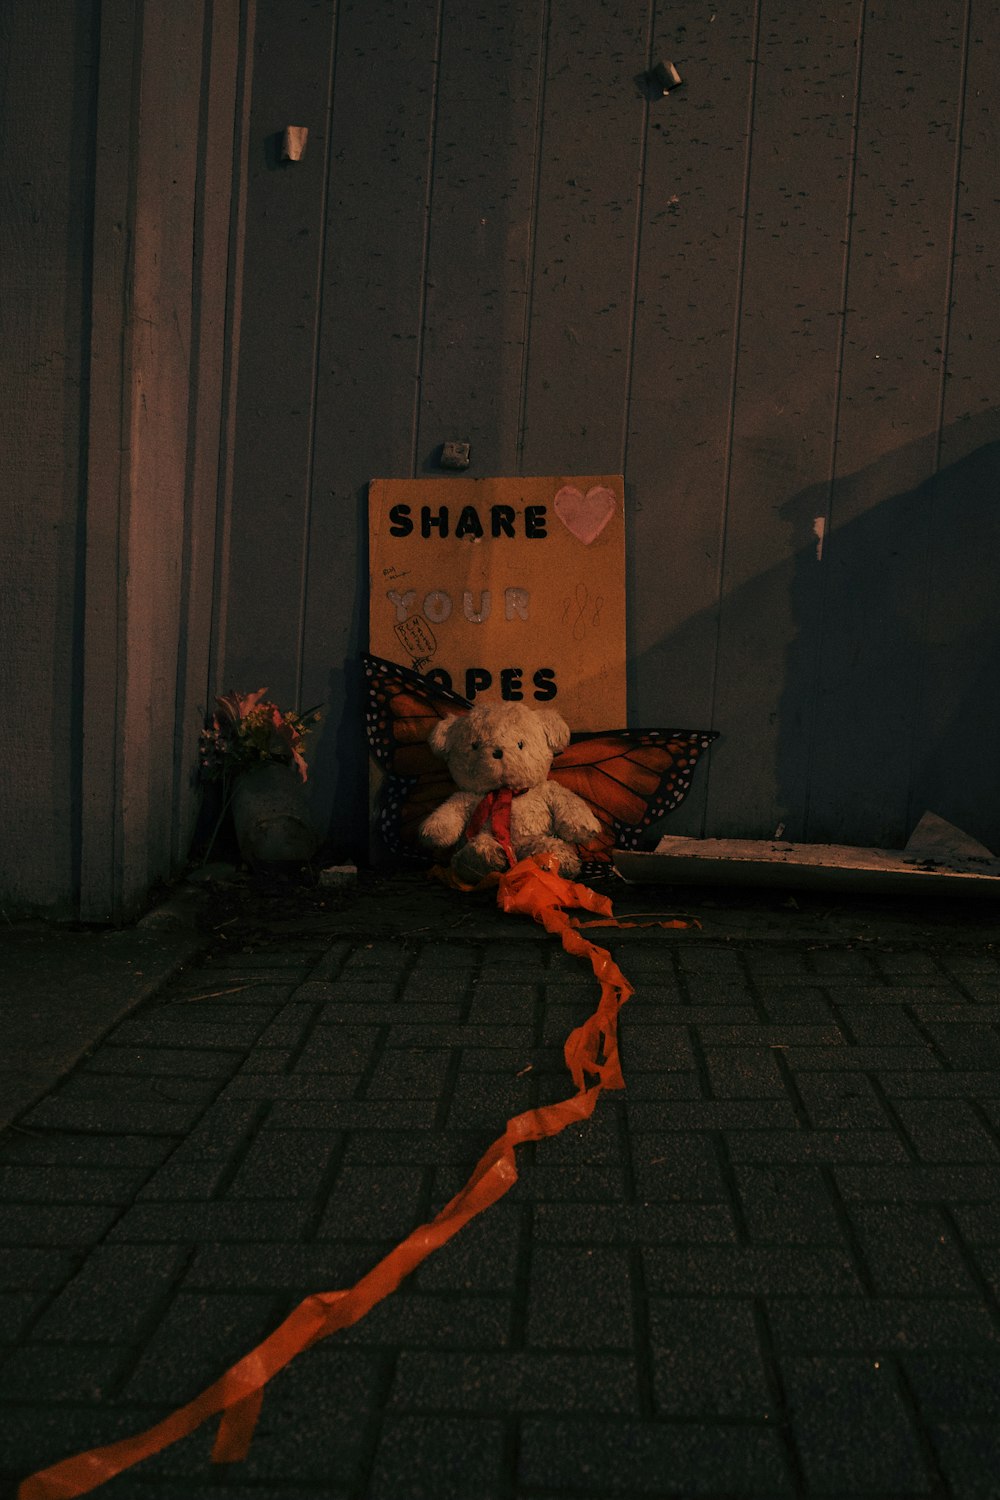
505,589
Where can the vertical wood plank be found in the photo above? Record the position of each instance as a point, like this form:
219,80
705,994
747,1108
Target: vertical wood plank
108,463
160,335
783,415
217,124
47,186
868,673
293,41
586,221
481,202
957,727
368,363
680,392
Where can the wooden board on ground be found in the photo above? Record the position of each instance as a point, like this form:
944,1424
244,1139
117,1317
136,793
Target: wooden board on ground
772,862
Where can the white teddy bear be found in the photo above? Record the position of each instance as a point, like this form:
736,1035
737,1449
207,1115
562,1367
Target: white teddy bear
499,756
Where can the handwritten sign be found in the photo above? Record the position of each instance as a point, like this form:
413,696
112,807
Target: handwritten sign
505,589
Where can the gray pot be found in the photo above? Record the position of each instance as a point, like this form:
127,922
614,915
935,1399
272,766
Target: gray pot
271,815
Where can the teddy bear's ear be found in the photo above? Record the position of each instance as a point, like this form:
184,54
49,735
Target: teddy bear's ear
439,739
554,727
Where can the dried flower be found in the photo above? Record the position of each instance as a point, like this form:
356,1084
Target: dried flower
248,730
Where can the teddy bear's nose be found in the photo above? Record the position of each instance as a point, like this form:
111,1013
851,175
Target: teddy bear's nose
498,754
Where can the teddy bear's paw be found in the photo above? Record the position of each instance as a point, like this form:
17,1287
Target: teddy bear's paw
580,832
479,858
566,856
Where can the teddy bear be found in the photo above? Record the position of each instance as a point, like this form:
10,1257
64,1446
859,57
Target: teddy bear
506,808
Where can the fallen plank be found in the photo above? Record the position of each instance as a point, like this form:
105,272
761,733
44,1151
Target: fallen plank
774,862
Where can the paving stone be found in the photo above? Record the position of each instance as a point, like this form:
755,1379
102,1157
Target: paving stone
947,1130
707,1360
818,1324
285,1164
191,1062
723,1270
190,1223
815,1146
881,1026
35,1268
677,1166
664,1086
67,1372
482,1257
203,1161
713,1114
655,1048
634,1223
519,1382
31,1184
391,957
969,1455
916,1183
117,1292
59,1148
367,1204
843,1101
620,1458
955,1385
412,1320
314,1420
17,1310
200,1335
788,1204
910,1251
489,1101
297,1270
749,1072
964,1045
115,1116
579,1298
306,1086
438,1458
338,1048
852,1429
352,1114
45,1224
332,998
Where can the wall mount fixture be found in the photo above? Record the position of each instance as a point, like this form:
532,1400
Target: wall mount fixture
455,455
664,78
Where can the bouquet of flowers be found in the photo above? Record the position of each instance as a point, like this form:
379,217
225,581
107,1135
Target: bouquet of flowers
249,730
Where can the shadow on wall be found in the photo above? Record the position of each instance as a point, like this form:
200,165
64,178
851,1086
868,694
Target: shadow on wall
856,679
896,672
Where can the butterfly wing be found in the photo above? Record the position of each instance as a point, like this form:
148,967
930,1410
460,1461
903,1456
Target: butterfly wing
629,778
402,709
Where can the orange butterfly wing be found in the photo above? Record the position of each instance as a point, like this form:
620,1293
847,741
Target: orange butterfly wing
403,708
629,777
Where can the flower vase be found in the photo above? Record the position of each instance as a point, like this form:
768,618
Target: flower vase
271,816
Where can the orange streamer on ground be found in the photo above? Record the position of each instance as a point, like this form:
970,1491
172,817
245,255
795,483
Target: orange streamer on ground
533,889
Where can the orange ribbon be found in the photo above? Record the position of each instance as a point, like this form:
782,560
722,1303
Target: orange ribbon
534,889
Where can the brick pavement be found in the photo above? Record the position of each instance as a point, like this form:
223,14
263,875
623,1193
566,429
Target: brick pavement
769,1268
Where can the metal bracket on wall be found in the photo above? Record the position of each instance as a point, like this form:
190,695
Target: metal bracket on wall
293,142
454,455
664,78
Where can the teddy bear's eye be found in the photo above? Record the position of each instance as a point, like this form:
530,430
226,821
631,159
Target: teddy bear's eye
520,744
476,745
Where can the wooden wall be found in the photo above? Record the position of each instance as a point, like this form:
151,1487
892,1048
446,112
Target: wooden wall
119,120
46,178
769,297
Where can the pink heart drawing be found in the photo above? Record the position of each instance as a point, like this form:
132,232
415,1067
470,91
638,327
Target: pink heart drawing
585,516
